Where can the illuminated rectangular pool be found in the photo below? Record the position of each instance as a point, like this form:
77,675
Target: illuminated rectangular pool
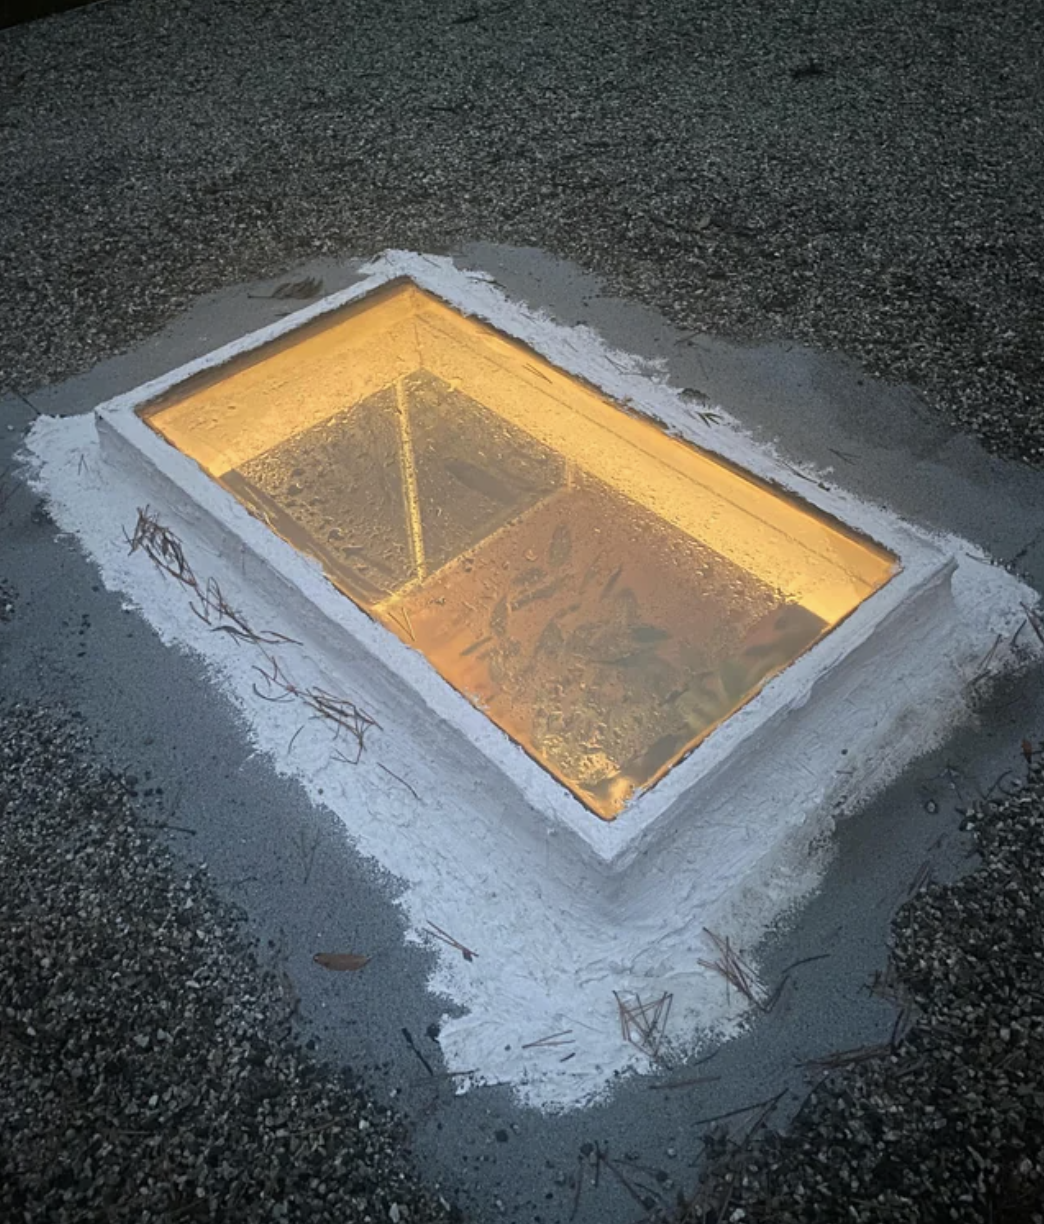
607,594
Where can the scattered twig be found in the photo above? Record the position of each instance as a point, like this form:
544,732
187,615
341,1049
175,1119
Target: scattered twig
416,1049
439,933
644,1025
762,1117
307,853
443,1075
984,666
922,878
7,489
1034,622
551,1040
402,618
811,479
898,1029
344,714
28,403
165,550
162,547
726,1201
579,1185
400,780
733,969
996,785
886,985
213,606
602,1158
685,1083
745,1109
539,373
770,1003
848,1058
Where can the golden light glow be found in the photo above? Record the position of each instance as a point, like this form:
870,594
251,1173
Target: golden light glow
605,593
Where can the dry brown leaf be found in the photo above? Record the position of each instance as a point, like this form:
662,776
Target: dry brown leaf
341,961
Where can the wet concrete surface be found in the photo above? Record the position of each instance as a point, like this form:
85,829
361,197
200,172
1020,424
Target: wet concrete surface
154,712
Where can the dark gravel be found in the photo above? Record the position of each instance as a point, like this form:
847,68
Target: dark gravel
863,176
147,1071
866,175
949,1126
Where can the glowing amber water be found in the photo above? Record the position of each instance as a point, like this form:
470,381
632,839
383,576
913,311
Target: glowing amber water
605,593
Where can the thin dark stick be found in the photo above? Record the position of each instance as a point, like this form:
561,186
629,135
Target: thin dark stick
893,1041
922,877
413,1046
735,1113
1034,624
439,933
398,779
604,1159
549,1040
28,403
760,1119
845,1058
770,1003
443,1075
805,960
579,1186
1006,774
685,1083
7,488
984,665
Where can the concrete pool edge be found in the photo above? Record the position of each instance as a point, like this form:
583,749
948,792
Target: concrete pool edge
659,812
558,931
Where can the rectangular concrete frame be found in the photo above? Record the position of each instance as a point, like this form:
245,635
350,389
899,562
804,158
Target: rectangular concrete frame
803,719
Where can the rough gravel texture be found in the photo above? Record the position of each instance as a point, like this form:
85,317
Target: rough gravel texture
861,176
146,1067
948,1125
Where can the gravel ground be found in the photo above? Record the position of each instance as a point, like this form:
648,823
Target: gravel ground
948,1124
862,176
146,1067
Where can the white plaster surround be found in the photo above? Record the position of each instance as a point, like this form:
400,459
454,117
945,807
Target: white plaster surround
723,840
